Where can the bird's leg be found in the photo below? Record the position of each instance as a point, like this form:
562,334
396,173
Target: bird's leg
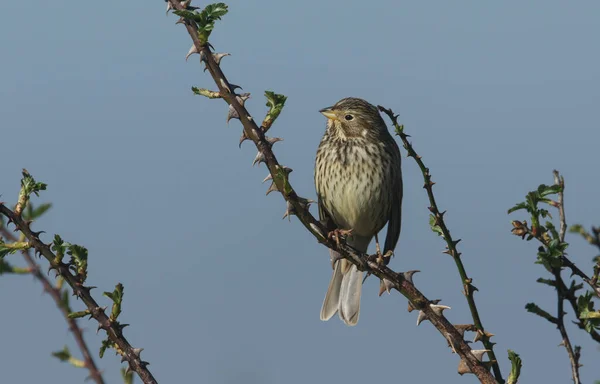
384,259
377,248
337,233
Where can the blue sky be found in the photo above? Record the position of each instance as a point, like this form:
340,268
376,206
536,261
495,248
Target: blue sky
95,101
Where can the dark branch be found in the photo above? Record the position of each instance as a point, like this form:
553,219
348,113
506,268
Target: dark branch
451,249
362,261
112,329
54,292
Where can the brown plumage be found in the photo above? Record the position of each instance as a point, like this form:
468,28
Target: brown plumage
359,185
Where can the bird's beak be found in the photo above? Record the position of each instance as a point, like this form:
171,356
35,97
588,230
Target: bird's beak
328,113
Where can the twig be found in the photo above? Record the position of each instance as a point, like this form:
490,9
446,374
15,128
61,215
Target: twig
451,250
573,354
298,206
113,329
55,294
560,315
560,181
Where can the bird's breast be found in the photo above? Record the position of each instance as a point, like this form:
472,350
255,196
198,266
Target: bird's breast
353,183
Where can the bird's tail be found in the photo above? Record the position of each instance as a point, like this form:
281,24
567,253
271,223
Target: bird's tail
343,293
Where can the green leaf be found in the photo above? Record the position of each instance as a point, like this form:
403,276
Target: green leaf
117,297
64,355
188,15
549,282
591,315
518,207
434,227
7,268
32,213
106,344
282,176
64,299
205,19
533,308
545,190
79,258
515,369
10,248
275,102
60,248
5,249
127,376
77,315
29,185
587,313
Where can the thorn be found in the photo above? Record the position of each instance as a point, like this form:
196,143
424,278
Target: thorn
121,326
99,328
385,286
287,171
244,138
260,158
224,85
462,365
128,369
462,328
272,188
409,275
123,358
316,229
138,351
169,7
290,210
273,140
192,51
232,113
439,309
218,57
421,317
233,87
480,335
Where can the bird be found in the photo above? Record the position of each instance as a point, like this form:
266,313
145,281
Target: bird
358,180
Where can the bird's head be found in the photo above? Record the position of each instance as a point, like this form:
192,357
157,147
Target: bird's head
353,117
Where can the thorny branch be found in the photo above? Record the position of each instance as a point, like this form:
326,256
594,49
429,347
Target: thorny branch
113,329
572,352
439,224
55,293
299,206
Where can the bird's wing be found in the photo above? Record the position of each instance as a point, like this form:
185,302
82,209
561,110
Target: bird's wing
324,216
395,221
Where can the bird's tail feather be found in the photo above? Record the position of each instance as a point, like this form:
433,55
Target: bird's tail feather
349,302
332,298
343,293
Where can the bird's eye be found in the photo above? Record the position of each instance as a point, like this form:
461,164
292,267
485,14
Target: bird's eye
349,117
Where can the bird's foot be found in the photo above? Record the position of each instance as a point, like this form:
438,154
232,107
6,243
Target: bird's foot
384,259
336,234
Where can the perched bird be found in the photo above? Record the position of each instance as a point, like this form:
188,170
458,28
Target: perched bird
359,186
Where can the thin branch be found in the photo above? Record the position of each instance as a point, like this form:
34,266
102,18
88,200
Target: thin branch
298,206
560,315
451,248
113,329
56,296
573,354
560,181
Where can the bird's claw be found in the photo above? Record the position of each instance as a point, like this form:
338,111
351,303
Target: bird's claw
336,234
